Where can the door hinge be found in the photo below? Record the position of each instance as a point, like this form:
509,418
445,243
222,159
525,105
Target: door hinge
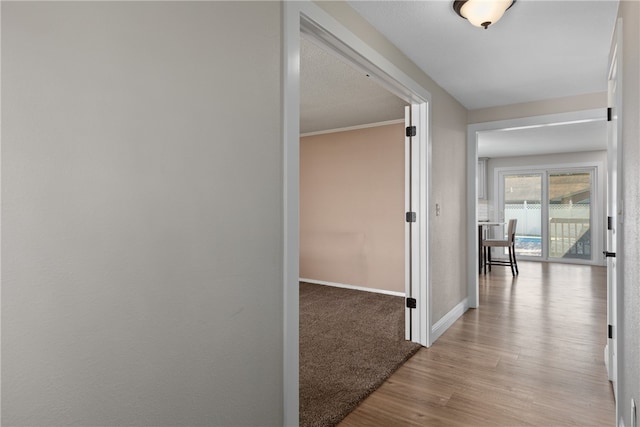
412,303
609,223
410,217
609,113
610,331
410,131
609,254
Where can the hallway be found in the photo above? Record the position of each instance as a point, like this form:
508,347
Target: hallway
531,355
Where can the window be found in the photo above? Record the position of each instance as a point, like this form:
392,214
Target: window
554,209
523,201
570,215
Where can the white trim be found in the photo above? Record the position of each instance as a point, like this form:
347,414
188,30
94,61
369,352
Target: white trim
348,128
615,178
473,255
407,226
449,319
553,167
472,164
424,221
291,220
353,287
572,117
418,187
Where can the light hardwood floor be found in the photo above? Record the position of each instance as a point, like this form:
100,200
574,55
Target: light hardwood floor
531,355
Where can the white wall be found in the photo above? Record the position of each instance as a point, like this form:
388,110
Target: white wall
141,213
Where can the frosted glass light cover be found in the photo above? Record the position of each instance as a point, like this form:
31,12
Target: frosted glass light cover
479,12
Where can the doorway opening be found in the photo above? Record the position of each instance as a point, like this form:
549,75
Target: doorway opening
528,126
351,176
416,174
312,20
578,232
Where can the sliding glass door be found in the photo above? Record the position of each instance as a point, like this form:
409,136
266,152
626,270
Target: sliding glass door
523,201
570,215
554,210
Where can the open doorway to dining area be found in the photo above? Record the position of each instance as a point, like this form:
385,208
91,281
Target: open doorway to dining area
551,179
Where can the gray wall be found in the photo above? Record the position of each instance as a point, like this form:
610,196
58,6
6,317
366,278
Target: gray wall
141,213
449,191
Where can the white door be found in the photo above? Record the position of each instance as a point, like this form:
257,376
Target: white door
417,324
409,230
614,211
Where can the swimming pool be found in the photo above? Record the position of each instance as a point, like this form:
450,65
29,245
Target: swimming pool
528,239
529,245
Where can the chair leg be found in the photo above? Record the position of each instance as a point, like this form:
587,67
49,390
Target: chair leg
489,257
513,272
484,259
515,262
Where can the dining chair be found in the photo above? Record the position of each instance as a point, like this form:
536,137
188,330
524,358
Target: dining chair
509,243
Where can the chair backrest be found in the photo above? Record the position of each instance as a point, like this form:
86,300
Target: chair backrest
511,232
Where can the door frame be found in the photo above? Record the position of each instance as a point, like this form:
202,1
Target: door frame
416,255
309,18
597,114
614,210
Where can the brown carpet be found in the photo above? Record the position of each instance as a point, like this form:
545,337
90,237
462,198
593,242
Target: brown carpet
350,342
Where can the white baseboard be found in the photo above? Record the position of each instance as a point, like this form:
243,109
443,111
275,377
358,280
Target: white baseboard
357,288
449,319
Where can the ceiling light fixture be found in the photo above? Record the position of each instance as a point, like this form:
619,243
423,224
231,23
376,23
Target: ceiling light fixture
482,13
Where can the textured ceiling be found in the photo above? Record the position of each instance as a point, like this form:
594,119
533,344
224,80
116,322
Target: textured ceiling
335,95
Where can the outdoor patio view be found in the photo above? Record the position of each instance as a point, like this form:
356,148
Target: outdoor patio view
523,201
569,213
